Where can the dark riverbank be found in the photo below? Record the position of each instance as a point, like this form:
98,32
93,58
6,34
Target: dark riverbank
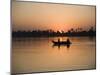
50,33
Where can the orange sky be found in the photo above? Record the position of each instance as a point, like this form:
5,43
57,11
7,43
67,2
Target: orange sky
32,15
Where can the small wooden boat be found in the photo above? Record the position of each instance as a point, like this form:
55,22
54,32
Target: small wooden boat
61,43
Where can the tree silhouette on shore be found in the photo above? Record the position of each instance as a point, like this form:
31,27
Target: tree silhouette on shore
50,33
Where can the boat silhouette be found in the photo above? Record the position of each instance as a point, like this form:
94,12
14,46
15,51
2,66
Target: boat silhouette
61,43
68,42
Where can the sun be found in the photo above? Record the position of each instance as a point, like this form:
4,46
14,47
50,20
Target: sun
60,31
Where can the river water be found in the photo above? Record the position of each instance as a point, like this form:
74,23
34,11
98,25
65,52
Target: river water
31,55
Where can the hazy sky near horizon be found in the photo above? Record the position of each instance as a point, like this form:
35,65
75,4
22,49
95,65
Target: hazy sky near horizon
32,15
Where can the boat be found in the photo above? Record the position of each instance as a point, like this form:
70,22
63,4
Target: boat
61,42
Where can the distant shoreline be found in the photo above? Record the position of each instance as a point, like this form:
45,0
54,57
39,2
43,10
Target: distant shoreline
53,35
50,33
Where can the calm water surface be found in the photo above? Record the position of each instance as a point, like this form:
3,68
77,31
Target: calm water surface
39,54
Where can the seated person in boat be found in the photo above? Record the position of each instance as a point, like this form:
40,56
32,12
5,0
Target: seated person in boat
68,41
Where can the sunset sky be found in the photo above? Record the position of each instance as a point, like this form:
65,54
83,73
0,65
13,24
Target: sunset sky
43,16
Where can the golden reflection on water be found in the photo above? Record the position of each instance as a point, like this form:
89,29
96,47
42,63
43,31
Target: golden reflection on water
39,54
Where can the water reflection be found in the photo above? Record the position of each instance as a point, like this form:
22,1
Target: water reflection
40,54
